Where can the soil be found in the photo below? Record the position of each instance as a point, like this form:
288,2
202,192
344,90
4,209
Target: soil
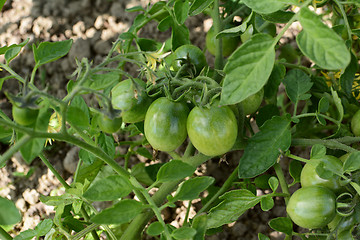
93,25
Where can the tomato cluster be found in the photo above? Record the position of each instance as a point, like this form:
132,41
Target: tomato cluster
314,204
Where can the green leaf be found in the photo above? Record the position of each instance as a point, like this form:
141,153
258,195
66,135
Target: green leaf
295,170
338,104
276,77
154,229
2,2
144,152
264,6
89,170
101,81
318,151
267,203
78,113
320,43
198,6
199,224
43,227
263,237
297,84
347,78
26,235
34,147
179,36
183,233
356,187
6,48
278,16
181,10
352,163
234,204
282,224
323,105
107,144
190,189
165,24
50,51
9,214
135,9
248,69
264,147
273,183
109,188
122,212
174,170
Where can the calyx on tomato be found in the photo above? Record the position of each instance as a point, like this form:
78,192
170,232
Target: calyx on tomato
165,124
189,54
131,99
213,130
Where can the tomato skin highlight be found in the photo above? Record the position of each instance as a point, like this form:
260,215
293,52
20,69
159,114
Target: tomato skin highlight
312,207
109,125
212,131
195,55
165,124
229,44
309,176
123,98
24,116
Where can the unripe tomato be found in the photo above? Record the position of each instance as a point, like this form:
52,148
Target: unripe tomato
309,177
213,130
165,124
132,104
355,124
312,207
229,44
193,53
109,125
24,116
253,102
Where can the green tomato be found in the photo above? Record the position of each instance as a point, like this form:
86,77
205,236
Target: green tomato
165,124
213,130
109,125
229,44
355,124
24,116
309,176
132,102
192,53
253,102
312,207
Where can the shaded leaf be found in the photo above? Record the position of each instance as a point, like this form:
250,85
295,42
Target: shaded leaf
264,147
9,214
282,224
122,212
297,84
174,170
109,188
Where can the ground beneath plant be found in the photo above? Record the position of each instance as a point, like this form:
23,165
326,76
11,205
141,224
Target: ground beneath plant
93,25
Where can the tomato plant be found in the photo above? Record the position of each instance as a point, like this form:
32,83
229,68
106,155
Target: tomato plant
253,102
165,124
24,116
189,54
109,125
312,207
229,44
212,131
130,97
309,176
355,123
